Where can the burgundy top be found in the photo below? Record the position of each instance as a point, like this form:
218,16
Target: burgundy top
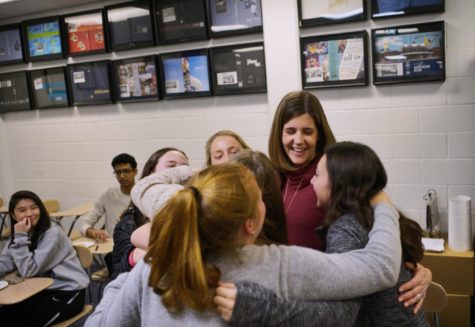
300,203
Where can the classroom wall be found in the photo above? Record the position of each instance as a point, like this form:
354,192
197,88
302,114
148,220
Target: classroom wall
424,132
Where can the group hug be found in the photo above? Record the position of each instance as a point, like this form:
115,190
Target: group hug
304,237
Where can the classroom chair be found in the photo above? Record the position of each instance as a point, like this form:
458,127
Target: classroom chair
51,205
435,301
85,311
1,202
102,278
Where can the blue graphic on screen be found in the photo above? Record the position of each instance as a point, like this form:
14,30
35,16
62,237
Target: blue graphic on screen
10,45
44,39
393,6
186,74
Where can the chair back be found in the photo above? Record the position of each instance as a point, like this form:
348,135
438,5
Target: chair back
84,255
1,202
436,298
51,205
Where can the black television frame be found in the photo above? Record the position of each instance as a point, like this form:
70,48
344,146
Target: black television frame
181,54
43,20
319,21
28,90
33,92
104,29
217,90
131,45
415,11
71,83
334,37
426,27
248,30
18,27
115,88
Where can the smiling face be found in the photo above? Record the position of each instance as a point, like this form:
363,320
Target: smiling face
299,139
27,209
223,148
171,159
321,183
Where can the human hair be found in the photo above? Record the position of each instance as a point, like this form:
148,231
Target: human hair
43,224
151,163
223,132
124,158
205,218
356,175
295,104
268,179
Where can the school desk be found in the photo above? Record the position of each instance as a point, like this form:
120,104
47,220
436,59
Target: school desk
23,290
95,246
75,212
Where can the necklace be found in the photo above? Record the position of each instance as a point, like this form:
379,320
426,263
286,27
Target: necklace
293,197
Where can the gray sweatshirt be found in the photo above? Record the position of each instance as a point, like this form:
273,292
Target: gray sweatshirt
54,257
292,272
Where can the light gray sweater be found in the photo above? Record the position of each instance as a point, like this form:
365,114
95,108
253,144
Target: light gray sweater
292,272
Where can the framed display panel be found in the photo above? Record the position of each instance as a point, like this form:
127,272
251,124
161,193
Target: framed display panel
185,74
14,92
238,69
130,25
334,60
49,88
391,8
11,45
44,40
135,79
85,33
90,83
180,20
323,12
229,17
409,53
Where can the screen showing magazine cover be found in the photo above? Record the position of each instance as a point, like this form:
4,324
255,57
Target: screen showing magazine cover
409,53
235,15
137,78
334,61
186,74
85,33
130,26
44,39
14,92
383,8
330,11
90,83
239,68
49,87
10,46
182,20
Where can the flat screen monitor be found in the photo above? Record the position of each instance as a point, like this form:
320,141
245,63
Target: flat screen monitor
334,60
324,12
85,33
89,83
185,74
238,69
135,79
11,45
180,21
391,8
130,25
44,39
49,88
409,53
228,17
14,94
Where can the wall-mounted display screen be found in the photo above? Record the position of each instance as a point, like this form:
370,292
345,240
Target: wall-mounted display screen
185,74
238,69
136,79
390,8
90,83
130,25
44,39
180,20
323,12
49,88
11,45
409,53
85,33
229,17
334,60
14,94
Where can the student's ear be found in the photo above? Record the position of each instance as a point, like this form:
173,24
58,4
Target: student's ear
250,226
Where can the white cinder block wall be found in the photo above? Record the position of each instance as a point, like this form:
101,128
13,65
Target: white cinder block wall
424,132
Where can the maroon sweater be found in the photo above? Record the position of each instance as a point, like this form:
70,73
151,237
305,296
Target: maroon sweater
300,203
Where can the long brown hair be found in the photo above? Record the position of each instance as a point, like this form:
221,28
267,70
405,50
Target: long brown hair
223,132
204,218
295,104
